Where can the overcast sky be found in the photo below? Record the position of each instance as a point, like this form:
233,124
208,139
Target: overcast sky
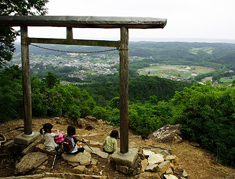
204,19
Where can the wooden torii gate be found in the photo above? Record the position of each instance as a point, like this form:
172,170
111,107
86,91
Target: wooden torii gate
123,23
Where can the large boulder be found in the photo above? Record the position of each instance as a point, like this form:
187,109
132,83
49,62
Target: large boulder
168,133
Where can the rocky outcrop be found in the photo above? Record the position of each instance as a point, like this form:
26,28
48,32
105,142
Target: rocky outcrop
168,133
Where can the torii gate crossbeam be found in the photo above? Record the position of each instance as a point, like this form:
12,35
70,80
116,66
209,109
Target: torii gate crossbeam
124,23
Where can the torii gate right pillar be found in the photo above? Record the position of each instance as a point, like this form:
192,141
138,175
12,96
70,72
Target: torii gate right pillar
124,72
125,156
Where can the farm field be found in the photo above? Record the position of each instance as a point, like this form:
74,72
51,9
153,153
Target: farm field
226,81
178,71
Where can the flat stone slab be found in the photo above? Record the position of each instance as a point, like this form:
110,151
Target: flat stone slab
84,158
100,153
26,139
127,159
97,151
30,161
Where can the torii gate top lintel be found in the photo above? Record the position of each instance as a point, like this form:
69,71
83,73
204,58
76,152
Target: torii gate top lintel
84,21
124,23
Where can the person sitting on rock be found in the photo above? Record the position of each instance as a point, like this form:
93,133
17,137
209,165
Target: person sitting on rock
71,131
110,142
49,136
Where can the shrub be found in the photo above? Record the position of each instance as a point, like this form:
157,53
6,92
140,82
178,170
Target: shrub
74,113
100,113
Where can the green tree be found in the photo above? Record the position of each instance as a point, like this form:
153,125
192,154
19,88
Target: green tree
233,83
11,93
206,115
8,34
51,80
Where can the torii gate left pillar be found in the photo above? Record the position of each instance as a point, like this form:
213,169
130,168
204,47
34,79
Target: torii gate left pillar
28,136
26,81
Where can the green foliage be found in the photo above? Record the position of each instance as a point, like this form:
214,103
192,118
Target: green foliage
233,83
100,113
143,118
206,115
114,117
74,113
47,100
51,80
147,118
11,95
8,34
7,37
140,88
115,103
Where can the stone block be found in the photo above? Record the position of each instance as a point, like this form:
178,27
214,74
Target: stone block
26,139
128,159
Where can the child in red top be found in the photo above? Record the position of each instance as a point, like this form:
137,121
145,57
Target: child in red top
71,131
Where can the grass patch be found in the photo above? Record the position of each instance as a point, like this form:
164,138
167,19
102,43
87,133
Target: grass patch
208,50
226,80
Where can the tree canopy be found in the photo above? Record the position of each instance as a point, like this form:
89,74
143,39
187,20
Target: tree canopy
8,34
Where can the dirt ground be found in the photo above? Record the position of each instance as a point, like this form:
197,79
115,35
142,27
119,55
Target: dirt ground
198,163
